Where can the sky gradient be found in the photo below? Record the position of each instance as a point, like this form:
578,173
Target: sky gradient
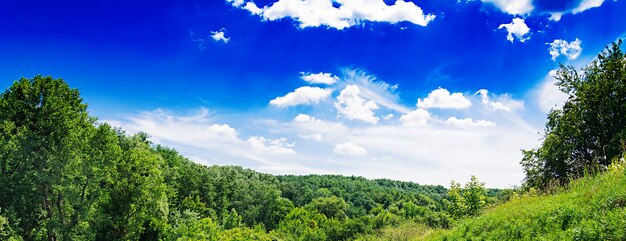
426,91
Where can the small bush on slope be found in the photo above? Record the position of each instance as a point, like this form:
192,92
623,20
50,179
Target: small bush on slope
591,208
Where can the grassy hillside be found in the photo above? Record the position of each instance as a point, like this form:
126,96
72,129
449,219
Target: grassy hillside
590,208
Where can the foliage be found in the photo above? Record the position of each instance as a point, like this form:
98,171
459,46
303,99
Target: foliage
331,207
590,129
468,201
590,208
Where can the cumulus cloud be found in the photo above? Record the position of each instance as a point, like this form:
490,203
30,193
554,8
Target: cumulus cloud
571,50
338,14
275,146
416,118
468,122
302,96
319,78
350,149
351,106
513,7
548,94
516,29
253,8
220,36
501,103
441,98
304,118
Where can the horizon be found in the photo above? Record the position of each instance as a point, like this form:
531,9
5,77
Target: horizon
420,91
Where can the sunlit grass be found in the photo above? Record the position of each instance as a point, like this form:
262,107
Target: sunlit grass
590,208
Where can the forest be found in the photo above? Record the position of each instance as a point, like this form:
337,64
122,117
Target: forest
66,176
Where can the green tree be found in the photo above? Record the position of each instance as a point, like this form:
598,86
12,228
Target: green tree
136,205
590,129
331,207
232,220
469,200
457,206
474,195
43,131
302,225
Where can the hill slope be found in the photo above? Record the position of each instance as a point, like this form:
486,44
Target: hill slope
591,208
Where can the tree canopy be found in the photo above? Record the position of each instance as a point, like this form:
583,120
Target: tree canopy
589,131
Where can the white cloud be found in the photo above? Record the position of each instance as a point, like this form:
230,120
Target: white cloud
571,50
581,7
315,137
548,94
516,29
373,89
513,7
350,105
199,137
220,36
319,78
236,3
416,118
303,118
502,102
468,122
252,8
302,96
315,13
587,4
350,149
441,98
433,153
276,146
223,130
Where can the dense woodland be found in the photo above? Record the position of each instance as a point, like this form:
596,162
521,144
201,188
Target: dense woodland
66,176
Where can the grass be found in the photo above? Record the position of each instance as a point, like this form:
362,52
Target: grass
590,208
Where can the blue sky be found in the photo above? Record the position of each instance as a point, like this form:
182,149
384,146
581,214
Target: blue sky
425,91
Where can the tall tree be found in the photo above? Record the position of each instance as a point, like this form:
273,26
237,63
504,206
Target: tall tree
43,128
590,129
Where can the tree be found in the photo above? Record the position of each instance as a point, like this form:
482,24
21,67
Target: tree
457,205
467,201
43,131
474,195
303,225
136,204
331,207
590,129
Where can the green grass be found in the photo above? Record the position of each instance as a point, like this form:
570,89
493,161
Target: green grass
590,208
